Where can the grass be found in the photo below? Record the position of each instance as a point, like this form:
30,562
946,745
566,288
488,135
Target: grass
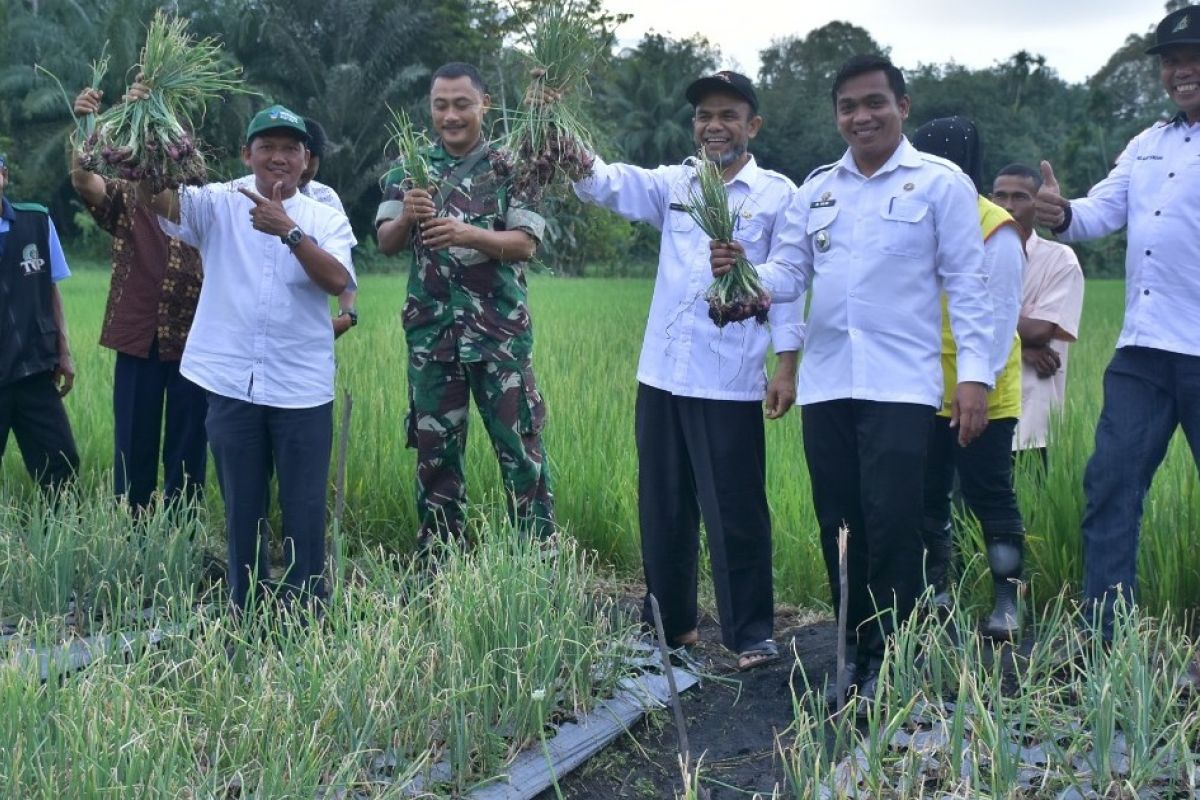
1063,718
588,334
404,678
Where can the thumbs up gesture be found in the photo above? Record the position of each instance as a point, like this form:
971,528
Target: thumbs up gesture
266,215
1050,208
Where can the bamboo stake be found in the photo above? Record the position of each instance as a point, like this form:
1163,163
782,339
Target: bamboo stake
843,602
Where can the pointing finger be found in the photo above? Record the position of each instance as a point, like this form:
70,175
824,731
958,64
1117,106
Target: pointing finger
254,197
277,192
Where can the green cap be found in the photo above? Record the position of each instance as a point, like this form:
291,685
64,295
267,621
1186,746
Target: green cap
276,117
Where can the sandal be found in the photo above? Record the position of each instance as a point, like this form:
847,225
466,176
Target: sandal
758,654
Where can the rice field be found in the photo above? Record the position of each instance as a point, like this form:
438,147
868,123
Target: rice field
405,673
588,335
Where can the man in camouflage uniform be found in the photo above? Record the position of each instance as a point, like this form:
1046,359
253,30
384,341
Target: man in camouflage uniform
466,319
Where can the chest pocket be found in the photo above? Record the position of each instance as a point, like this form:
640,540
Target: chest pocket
903,230
820,220
678,218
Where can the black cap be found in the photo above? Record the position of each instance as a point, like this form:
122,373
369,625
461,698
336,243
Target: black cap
723,81
1178,27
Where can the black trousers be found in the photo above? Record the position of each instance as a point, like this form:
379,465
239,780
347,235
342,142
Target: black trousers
246,439
705,459
142,389
33,411
985,476
866,461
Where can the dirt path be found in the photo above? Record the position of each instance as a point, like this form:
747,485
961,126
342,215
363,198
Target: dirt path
732,720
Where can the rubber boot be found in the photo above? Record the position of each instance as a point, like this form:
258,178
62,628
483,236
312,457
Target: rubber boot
938,538
1005,556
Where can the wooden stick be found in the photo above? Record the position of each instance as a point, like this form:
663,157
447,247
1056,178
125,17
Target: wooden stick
843,602
680,726
339,483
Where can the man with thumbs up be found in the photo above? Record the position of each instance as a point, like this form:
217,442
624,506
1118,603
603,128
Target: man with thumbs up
1152,384
262,346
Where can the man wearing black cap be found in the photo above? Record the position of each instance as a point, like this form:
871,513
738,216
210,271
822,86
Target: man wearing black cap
702,390
1152,384
36,369
262,346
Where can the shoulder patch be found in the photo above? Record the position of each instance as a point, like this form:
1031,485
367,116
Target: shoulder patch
818,171
778,176
941,162
37,208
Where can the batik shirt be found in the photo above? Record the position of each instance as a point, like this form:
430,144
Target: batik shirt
464,305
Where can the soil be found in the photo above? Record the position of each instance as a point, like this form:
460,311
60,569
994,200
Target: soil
733,718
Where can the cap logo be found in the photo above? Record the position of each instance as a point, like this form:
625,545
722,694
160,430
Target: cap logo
285,115
724,76
1183,23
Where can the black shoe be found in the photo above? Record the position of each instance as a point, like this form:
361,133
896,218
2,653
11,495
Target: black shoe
864,693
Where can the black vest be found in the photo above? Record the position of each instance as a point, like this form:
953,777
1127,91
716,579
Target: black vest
28,335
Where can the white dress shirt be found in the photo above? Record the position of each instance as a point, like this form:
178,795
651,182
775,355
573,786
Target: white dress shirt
262,331
683,351
1155,190
876,253
323,194
1053,292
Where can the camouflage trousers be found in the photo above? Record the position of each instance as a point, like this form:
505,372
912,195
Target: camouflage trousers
513,414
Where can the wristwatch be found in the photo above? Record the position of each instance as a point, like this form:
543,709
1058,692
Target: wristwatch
292,237
352,314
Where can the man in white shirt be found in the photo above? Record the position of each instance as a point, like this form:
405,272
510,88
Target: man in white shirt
347,316
877,237
1152,384
262,345
1051,304
701,389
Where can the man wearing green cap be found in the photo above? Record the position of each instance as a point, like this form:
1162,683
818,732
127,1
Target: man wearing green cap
262,346
1152,384
36,370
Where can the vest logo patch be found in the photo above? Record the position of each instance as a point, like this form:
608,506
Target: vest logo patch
31,261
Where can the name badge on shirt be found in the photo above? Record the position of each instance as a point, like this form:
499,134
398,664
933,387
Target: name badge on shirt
827,201
679,207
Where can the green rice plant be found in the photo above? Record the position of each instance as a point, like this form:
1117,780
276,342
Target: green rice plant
550,137
738,294
85,126
151,138
412,152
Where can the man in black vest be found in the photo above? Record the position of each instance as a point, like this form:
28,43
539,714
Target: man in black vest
35,360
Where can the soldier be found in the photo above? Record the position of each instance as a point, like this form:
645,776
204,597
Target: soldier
36,369
151,302
466,320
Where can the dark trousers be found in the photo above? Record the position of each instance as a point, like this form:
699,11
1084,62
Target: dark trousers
866,461
245,440
32,409
705,459
1148,393
142,388
985,478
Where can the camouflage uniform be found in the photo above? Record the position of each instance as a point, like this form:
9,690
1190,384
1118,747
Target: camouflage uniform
466,322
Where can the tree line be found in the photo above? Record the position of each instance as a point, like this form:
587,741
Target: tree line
345,62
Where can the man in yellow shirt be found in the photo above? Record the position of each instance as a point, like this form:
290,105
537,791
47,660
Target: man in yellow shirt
984,466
